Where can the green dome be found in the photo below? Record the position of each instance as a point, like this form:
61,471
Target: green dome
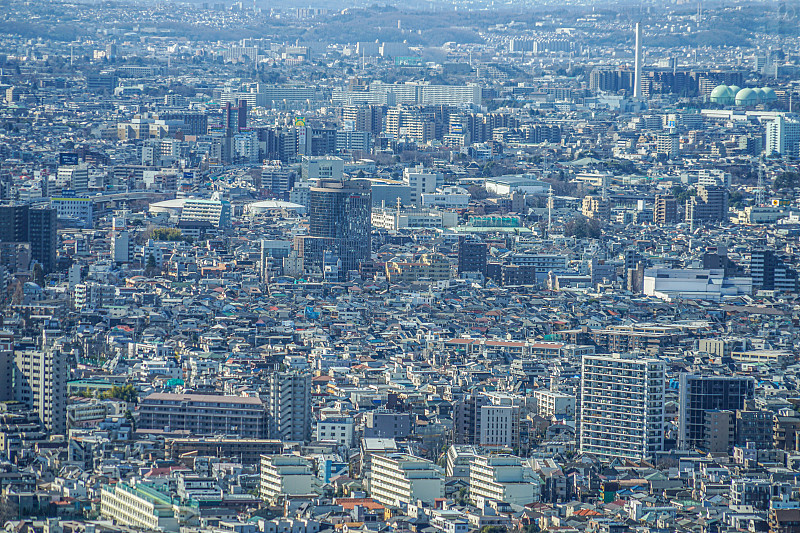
769,94
735,89
759,94
746,97
722,94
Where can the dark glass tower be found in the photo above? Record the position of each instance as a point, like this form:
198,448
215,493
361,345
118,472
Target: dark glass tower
339,222
699,394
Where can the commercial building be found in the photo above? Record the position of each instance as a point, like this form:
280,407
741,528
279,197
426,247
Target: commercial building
400,479
694,284
622,406
421,182
339,223
698,394
394,219
73,177
286,475
74,211
216,212
503,478
203,414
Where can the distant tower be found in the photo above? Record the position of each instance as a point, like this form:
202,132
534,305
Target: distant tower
637,78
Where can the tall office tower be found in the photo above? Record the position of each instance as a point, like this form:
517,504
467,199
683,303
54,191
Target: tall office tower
771,273
234,117
339,223
637,78
699,394
40,382
622,406
709,205
472,256
43,236
289,407
666,210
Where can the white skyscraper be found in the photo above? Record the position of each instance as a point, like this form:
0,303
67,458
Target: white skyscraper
622,406
637,81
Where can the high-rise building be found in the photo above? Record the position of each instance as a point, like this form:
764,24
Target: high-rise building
783,137
637,81
710,204
363,118
235,116
665,210
771,273
622,406
472,256
43,236
14,223
37,226
339,223
6,366
40,382
699,394
289,406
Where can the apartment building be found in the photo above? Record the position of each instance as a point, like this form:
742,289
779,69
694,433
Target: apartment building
203,414
141,506
622,406
504,478
400,479
286,475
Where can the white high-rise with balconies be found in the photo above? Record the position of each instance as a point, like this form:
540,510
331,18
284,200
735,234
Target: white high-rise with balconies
622,406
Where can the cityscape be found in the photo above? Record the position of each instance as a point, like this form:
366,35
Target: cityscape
436,266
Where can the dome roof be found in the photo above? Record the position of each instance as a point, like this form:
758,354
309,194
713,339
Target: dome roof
759,94
735,89
722,94
746,97
769,94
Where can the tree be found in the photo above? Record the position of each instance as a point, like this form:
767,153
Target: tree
786,180
8,510
583,228
167,234
38,274
493,529
127,393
